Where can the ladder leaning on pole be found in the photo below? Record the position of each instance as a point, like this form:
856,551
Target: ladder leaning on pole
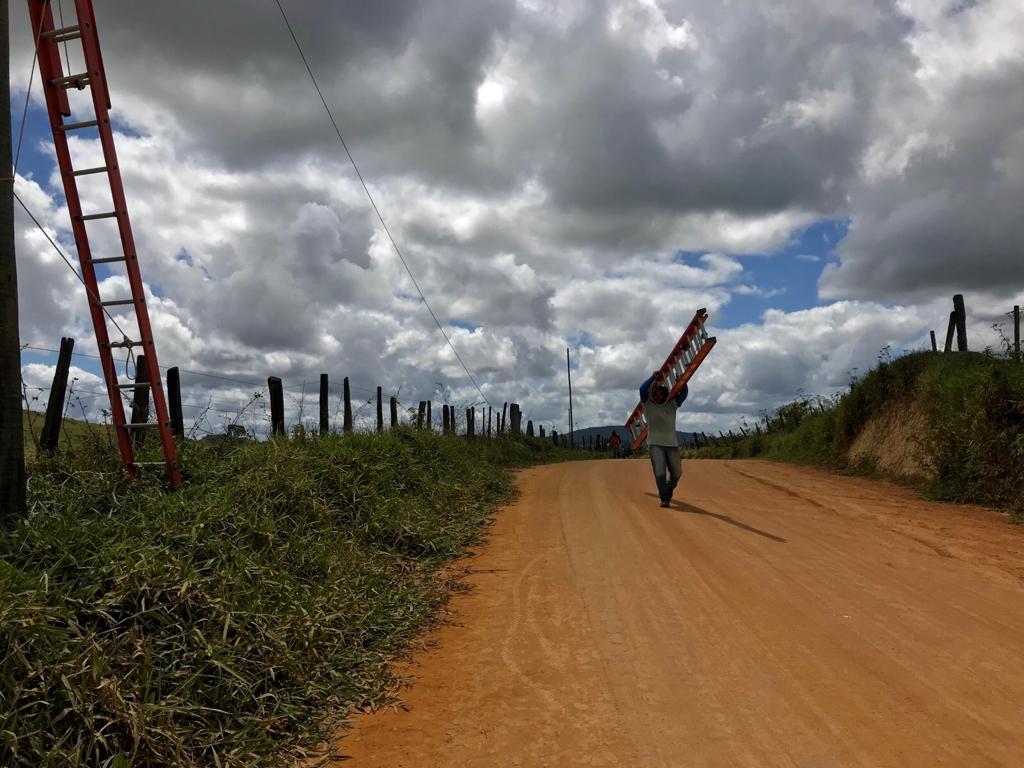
56,84
686,356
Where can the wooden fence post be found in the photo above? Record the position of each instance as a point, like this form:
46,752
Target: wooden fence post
469,424
380,410
503,425
529,428
174,402
55,403
420,414
347,426
140,399
276,406
444,419
961,322
935,347
950,330
325,418
394,411
490,416
514,414
1016,333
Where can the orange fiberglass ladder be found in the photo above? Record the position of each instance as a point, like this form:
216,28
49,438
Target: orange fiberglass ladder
687,355
56,84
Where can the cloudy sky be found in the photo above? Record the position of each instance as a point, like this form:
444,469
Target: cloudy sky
822,175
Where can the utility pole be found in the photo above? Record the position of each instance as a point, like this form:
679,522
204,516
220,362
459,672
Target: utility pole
12,440
568,371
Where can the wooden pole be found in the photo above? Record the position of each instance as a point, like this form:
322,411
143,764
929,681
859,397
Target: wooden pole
140,399
935,347
55,404
469,423
961,322
380,410
1016,333
325,418
12,430
430,417
174,402
950,331
420,414
347,394
394,411
502,425
276,406
444,419
568,372
490,416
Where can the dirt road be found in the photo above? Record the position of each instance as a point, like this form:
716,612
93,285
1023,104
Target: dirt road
774,616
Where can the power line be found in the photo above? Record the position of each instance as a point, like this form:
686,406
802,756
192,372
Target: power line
67,261
373,203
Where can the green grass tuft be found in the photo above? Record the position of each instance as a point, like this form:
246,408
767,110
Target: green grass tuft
232,621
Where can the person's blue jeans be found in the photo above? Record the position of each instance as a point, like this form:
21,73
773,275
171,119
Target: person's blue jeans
668,468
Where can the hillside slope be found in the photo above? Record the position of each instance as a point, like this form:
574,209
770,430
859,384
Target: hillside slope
953,423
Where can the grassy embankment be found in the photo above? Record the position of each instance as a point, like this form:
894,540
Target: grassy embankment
956,421
240,618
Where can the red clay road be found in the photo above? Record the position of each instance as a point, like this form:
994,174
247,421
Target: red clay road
774,616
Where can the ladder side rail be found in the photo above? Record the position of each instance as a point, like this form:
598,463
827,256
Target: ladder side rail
87,24
100,98
692,369
40,14
56,102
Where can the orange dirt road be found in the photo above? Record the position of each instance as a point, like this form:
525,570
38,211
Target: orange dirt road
774,616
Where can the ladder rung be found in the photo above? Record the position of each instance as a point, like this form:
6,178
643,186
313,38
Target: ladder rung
64,34
77,126
128,343
116,303
93,216
134,384
77,81
87,171
108,259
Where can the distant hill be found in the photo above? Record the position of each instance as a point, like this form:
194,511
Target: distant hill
685,438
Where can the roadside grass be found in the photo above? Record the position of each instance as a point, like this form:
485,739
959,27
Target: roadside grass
973,438
238,620
75,436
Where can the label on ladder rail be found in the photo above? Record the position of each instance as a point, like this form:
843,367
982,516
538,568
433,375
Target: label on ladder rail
684,360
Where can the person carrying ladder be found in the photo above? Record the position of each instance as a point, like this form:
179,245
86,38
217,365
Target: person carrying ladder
660,412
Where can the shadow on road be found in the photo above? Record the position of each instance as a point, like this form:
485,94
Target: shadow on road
682,506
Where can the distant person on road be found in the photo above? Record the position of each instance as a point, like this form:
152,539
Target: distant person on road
660,411
616,444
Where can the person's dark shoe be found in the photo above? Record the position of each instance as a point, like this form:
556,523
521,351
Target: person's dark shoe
665,502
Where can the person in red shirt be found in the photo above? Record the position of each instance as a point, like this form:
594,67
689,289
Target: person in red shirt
616,443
